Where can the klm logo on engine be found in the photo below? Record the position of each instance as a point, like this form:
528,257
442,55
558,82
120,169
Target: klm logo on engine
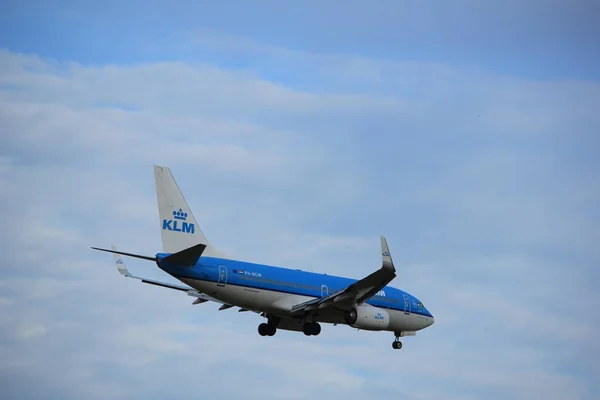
379,316
178,223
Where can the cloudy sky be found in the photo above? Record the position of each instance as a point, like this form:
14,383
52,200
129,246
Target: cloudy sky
467,133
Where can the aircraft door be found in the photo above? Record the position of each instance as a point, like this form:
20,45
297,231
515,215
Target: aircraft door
222,280
406,305
324,290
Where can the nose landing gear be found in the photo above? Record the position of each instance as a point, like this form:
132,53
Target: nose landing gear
397,344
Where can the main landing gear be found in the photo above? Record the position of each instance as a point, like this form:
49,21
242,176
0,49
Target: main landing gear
270,328
267,329
397,344
311,328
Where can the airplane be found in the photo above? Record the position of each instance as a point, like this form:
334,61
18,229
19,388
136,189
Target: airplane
289,299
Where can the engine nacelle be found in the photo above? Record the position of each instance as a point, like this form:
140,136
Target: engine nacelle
368,318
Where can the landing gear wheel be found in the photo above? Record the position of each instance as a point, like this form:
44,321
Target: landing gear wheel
266,330
311,328
316,329
396,345
263,329
306,329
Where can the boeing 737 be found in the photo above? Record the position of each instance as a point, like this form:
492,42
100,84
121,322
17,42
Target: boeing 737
289,299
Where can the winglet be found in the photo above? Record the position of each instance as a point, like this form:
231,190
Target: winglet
386,256
119,261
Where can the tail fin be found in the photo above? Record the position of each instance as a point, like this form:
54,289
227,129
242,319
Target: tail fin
179,228
188,257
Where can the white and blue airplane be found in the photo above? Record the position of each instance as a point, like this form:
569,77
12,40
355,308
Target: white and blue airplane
289,299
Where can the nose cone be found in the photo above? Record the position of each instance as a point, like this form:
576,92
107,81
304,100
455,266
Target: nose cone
429,320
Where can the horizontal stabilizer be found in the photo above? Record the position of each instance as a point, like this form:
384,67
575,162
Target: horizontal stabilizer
163,284
126,254
125,272
188,257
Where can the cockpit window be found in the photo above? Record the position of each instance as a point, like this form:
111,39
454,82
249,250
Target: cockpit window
419,304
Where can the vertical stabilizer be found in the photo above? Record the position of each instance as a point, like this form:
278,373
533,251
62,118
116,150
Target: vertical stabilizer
179,228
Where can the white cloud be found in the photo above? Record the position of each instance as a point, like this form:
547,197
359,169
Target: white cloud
31,331
470,236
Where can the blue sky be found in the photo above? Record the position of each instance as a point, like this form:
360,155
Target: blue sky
465,133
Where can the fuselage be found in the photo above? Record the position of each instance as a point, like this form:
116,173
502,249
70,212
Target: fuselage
276,290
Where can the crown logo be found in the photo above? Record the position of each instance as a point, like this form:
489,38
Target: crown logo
180,215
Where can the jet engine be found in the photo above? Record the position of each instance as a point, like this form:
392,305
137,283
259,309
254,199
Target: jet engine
368,318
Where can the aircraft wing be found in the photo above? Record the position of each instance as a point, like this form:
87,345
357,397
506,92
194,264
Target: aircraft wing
200,297
358,292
